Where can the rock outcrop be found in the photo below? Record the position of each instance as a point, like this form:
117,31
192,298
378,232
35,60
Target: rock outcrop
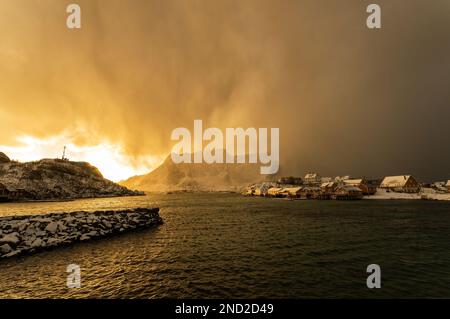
55,179
4,158
27,234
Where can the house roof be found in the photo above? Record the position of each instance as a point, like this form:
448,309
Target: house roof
328,184
395,181
311,175
349,188
292,189
353,181
448,183
4,158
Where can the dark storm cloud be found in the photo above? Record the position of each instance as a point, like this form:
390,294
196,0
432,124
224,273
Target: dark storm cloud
348,100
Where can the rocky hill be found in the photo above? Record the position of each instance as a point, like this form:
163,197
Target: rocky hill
196,177
57,179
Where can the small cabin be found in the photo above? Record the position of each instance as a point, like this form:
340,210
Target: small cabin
340,179
258,192
310,192
401,184
366,187
293,192
312,178
328,187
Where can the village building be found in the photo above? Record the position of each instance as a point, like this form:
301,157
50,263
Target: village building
347,192
326,179
374,183
401,183
312,178
366,187
448,186
342,178
328,187
290,180
274,192
292,192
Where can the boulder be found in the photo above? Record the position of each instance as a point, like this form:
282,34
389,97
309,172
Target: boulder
107,224
37,243
54,226
12,238
13,253
68,219
4,158
5,249
84,237
53,242
40,233
41,220
23,225
31,230
92,233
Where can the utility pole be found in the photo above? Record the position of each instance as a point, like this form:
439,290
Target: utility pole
64,153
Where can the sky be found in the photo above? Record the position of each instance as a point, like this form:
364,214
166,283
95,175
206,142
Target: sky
348,100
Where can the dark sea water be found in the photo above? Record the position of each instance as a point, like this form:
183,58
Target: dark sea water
228,246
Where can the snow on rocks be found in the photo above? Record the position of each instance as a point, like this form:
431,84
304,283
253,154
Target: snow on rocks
27,234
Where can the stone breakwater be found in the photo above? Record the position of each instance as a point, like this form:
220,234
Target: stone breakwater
28,234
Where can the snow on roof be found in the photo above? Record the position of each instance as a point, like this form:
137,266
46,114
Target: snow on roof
353,181
395,181
328,184
292,189
311,176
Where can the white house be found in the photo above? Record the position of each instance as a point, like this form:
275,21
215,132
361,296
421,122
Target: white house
401,183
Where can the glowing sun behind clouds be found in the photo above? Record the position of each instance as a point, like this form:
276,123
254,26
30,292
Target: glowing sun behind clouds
109,158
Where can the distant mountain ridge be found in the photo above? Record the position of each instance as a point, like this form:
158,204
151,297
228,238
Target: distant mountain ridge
196,177
55,179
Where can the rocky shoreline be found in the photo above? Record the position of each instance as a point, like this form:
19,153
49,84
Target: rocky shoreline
55,179
27,234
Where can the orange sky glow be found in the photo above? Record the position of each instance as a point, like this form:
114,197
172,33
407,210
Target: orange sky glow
110,159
